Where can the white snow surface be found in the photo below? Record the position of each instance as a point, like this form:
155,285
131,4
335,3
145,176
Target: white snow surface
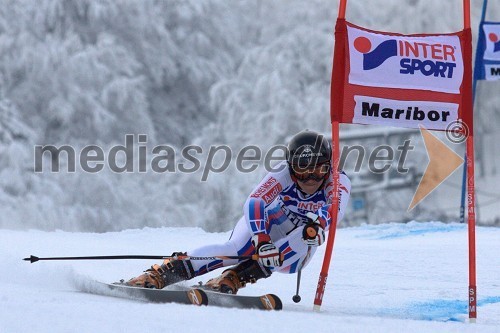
383,278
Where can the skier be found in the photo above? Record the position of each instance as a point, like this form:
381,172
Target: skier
285,218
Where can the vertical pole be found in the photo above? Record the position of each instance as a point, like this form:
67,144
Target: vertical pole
466,14
471,216
474,87
334,206
342,7
334,209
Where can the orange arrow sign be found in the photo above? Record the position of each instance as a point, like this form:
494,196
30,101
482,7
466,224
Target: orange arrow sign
442,163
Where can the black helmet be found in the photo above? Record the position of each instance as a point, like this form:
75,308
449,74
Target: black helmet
308,149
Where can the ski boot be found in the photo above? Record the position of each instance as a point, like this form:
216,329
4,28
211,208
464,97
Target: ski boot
232,279
160,276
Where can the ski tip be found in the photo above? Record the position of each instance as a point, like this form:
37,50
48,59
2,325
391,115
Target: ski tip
271,302
32,259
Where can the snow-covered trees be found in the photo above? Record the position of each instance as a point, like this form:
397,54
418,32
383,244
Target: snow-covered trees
88,72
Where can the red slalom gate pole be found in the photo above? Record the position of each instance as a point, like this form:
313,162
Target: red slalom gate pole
471,220
334,207
342,7
466,14
471,216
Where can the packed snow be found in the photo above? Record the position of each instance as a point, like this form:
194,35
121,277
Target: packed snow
383,278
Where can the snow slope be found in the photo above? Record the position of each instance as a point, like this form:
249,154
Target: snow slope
383,278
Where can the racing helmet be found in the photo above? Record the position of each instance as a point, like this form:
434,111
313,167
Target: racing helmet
309,156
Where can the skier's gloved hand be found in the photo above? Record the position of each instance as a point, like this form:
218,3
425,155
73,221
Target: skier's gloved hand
313,233
269,254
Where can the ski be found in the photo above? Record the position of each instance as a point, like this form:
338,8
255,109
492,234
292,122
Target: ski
189,296
195,296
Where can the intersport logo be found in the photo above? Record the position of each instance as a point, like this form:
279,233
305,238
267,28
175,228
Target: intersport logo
491,33
495,40
415,57
419,62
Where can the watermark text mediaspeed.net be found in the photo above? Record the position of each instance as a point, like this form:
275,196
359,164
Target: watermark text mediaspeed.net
135,156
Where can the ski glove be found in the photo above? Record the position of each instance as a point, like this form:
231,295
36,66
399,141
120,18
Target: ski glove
269,254
313,233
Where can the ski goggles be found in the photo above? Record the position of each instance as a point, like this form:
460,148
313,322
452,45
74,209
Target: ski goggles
317,173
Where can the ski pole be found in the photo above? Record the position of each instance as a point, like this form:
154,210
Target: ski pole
296,298
33,258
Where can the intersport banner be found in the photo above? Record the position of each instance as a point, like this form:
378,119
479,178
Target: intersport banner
488,52
401,80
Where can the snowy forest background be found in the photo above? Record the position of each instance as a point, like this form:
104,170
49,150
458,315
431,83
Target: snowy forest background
84,72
